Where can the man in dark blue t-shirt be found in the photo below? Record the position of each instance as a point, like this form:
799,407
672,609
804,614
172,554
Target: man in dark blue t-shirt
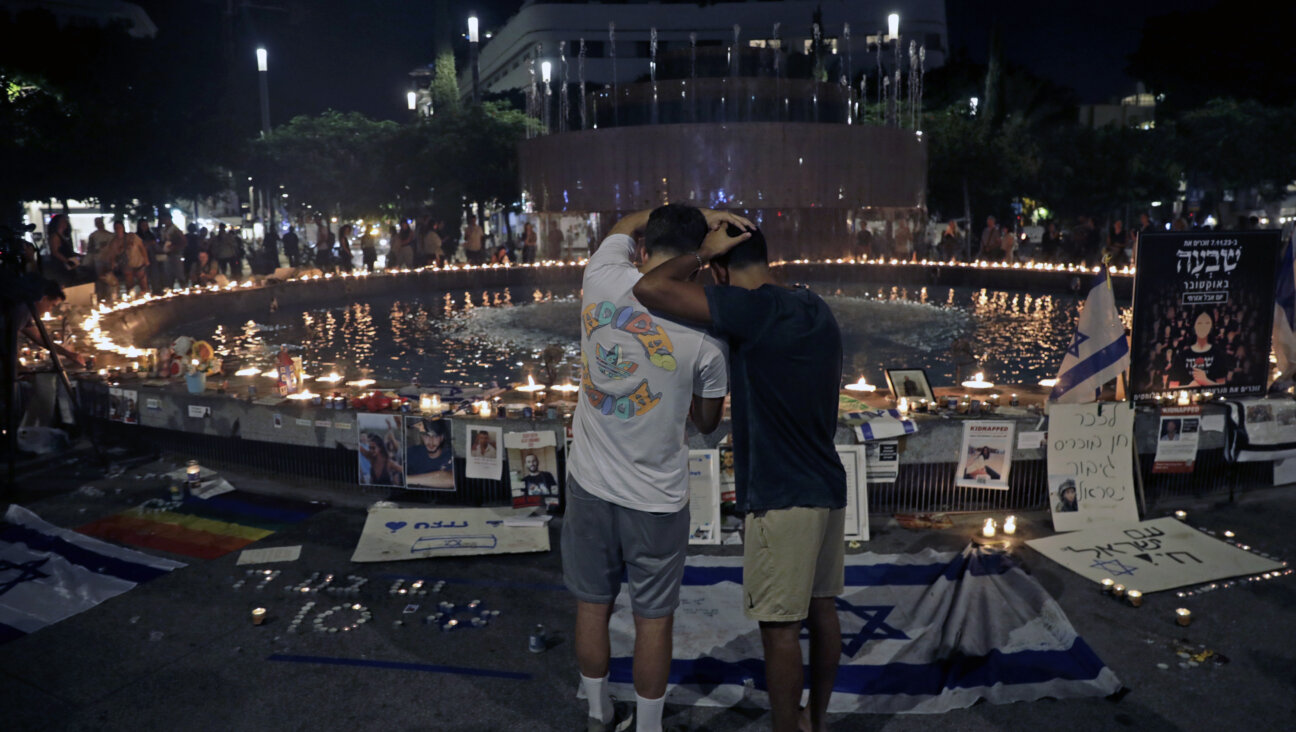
785,357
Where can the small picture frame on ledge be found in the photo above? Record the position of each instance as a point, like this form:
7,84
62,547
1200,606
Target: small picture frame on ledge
911,383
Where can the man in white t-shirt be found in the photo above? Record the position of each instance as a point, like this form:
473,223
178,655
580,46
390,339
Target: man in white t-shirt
627,493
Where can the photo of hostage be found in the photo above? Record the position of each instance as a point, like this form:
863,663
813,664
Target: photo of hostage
537,482
983,462
1169,430
483,444
785,347
429,454
379,454
628,483
1066,494
1204,362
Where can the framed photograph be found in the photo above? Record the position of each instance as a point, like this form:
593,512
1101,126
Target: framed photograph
911,383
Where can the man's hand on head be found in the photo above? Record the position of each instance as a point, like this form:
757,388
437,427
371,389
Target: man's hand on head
718,242
719,219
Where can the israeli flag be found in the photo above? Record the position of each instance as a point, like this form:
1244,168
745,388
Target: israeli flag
48,573
926,632
1098,353
1284,327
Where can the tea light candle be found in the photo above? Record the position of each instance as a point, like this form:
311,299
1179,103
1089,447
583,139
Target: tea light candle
861,385
1181,515
1183,616
1183,399
903,405
1135,598
923,405
1013,401
258,616
977,382
531,386
1010,525
1107,584
988,530
1118,590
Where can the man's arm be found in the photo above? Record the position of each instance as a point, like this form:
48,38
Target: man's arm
33,335
706,412
667,288
631,223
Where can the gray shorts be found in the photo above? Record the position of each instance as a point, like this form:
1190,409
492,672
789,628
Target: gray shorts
600,540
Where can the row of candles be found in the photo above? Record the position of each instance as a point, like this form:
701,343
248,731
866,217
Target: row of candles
905,405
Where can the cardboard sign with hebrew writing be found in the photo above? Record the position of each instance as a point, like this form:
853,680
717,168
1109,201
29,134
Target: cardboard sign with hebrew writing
421,533
1151,556
1091,465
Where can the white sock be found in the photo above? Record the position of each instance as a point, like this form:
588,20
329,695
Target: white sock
648,713
600,700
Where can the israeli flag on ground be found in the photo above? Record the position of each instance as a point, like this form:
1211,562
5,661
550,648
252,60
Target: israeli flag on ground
1284,328
1098,353
926,632
48,573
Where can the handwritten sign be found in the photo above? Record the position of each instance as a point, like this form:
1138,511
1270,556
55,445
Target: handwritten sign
426,533
1091,465
1151,556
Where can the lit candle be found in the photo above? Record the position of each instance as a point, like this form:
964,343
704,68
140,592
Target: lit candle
258,616
1183,399
1010,525
1135,598
425,403
977,382
988,529
1183,616
1107,584
1049,383
1228,534
531,386
1013,401
903,405
861,385
1181,515
1118,590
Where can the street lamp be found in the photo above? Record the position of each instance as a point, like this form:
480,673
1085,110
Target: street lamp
472,60
262,74
411,98
546,70
893,32
893,25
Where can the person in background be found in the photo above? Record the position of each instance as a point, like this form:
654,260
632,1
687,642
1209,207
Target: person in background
1117,242
62,252
785,366
368,249
991,247
951,240
530,242
432,243
474,241
135,258
205,271
270,248
1050,241
108,263
97,239
193,245
402,246
225,251
291,246
344,255
173,247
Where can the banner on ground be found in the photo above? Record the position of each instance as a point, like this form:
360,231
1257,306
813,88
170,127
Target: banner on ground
1203,312
986,456
854,459
925,632
704,496
1151,556
533,465
1177,438
48,573
420,533
1091,465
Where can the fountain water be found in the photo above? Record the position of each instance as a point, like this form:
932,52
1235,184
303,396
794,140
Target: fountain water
922,65
693,74
895,93
580,71
879,68
818,66
778,77
652,69
846,71
863,94
612,53
532,110
913,89
562,90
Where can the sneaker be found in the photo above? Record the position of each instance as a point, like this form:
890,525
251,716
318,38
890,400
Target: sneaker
622,719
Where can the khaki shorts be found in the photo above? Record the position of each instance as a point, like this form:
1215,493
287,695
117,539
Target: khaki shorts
789,556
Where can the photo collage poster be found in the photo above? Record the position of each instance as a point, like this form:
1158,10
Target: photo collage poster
1203,312
704,496
986,456
380,446
533,468
429,454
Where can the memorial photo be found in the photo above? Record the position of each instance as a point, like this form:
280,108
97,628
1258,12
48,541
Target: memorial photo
429,454
910,383
380,449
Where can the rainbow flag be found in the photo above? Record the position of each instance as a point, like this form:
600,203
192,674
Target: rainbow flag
201,528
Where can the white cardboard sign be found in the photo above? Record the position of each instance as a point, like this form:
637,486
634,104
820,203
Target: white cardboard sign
1091,465
1151,556
704,496
426,533
855,460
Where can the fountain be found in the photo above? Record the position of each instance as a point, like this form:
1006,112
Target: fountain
612,54
580,71
562,90
751,128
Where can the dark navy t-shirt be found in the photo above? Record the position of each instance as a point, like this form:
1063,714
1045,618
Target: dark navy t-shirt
785,361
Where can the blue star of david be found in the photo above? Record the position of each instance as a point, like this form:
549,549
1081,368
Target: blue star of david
1074,349
875,627
27,571
1114,567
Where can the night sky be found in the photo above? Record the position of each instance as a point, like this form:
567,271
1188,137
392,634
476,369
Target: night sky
356,54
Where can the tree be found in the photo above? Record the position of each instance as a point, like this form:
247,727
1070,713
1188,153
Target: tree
1231,145
445,84
337,163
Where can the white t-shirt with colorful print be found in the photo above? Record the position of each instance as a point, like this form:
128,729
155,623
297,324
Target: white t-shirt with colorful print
639,374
